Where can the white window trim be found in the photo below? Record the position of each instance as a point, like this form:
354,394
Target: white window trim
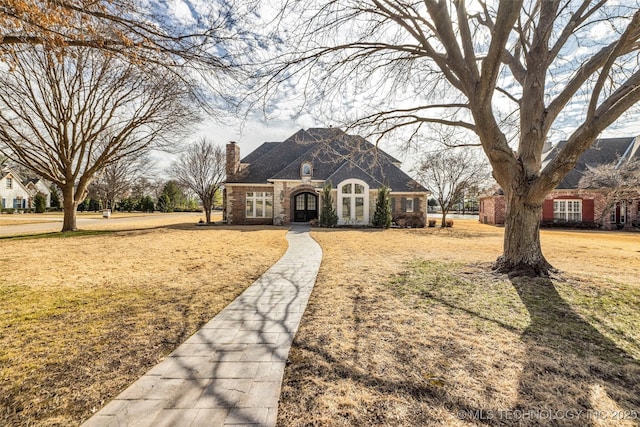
408,201
623,212
352,196
264,198
566,212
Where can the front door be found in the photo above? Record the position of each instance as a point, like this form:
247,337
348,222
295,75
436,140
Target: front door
305,207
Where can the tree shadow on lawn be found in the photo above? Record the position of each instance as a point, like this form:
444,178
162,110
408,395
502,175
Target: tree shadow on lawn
572,370
569,373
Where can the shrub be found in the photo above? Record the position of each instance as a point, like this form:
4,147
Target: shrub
146,204
40,203
84,206
432,223
55,197
328,216
382,215
412,220
449,223
164,204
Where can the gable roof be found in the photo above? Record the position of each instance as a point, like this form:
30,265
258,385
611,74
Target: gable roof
603,151
16,180
335,156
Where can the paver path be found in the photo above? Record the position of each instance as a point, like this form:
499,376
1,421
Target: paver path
230,371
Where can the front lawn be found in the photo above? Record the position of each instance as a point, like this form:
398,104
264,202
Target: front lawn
82,317
410,327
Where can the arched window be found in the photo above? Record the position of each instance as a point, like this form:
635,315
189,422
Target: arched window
306,169
353,202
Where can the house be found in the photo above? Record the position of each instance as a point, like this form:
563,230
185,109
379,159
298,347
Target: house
570,204
493,209
281,182
18,193
37,185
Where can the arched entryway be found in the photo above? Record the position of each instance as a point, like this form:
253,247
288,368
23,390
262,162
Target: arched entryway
305,207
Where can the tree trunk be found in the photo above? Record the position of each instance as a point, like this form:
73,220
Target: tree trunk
70,208
522,254
207,211
443,224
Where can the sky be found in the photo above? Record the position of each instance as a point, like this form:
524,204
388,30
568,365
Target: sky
288,113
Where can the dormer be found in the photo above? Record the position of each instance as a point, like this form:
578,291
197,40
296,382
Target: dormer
306,170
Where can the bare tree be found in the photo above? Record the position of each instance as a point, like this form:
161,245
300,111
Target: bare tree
118,178
202,169
67,117
619,181
200,47
449,173
482,66
128,27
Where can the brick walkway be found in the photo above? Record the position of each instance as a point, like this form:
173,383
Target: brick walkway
230,371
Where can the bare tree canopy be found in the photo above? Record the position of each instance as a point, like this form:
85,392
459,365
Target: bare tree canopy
118,178
121,26
509,71
619,180
67,117
449,174
200,46
202,169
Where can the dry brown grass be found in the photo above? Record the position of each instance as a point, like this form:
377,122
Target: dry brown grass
404,327
409,327
83,317
20,220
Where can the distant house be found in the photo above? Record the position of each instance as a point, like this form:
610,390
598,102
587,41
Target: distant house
569,204
18,193
37,185
492,208
280,182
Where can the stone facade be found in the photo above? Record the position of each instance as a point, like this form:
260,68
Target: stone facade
235,204
283,194
280,182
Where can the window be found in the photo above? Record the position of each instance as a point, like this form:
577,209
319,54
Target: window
409,205
353,205
567,210
9,183
306,169
259,205
618,213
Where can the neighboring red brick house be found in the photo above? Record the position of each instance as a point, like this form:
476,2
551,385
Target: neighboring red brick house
568,204
281,182
492,208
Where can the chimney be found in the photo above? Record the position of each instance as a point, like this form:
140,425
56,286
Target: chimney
233,159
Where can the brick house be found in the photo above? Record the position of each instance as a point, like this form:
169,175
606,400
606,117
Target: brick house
492,209
280,182
569,204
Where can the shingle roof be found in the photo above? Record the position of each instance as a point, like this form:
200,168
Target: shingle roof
603,151
335,156
259,152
